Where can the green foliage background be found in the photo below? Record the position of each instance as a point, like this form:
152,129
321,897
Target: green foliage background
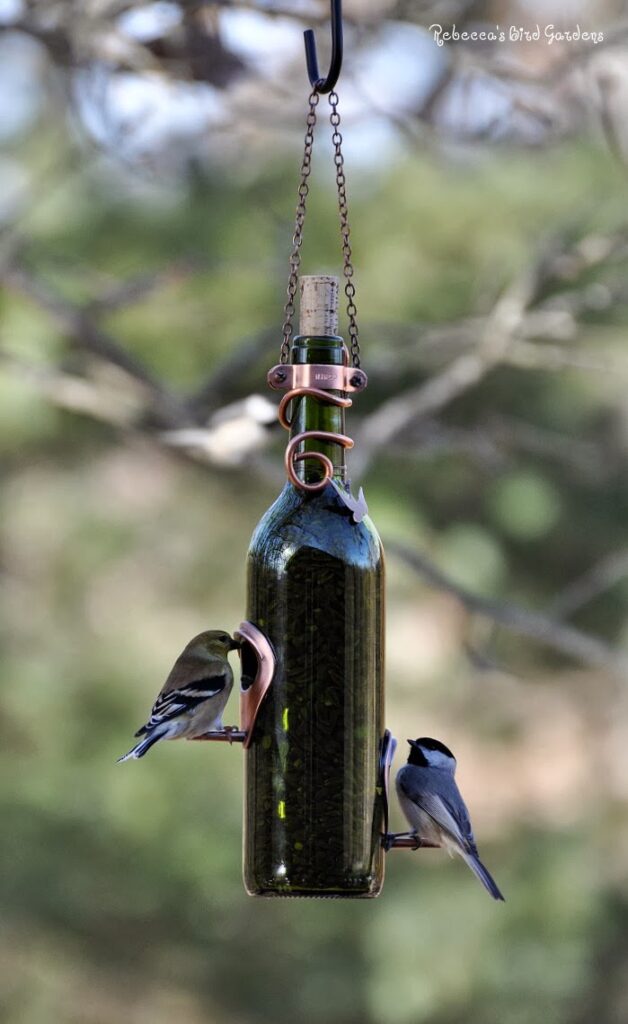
120,884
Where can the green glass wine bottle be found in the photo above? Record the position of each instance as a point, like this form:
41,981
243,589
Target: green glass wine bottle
313,802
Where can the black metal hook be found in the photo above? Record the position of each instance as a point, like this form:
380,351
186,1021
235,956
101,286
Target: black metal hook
323,85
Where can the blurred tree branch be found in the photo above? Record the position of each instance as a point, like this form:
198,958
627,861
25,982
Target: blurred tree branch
537,91
134,400
531,307
545,629
78,326
520,311
601,577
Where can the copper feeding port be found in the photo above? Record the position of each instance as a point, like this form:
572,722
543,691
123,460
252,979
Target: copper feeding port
394,840
258,668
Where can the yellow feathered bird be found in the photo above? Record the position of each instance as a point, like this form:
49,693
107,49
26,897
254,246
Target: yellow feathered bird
193,698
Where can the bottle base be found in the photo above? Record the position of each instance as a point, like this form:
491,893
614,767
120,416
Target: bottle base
271,894
364,892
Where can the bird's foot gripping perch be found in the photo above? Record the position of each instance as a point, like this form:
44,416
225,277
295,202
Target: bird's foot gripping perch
228,734
404,841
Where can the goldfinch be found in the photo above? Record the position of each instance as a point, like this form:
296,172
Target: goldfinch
433,805
193,698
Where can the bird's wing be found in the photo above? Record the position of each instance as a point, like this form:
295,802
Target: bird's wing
178,702
192,681
189,669
439,796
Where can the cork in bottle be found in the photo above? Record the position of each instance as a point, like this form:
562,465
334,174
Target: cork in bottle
319,306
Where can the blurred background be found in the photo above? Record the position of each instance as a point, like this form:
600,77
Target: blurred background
148,176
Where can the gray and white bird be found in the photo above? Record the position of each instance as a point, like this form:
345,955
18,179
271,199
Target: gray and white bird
436,812
194,695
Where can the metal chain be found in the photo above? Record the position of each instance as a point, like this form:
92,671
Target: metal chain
345,230
297,238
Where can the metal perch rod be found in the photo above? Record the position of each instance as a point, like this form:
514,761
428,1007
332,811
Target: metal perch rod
405,841
228,735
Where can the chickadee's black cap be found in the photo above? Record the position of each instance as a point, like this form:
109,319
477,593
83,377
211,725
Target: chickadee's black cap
429,744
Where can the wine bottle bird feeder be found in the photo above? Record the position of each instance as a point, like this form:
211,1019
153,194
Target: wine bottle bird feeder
317,754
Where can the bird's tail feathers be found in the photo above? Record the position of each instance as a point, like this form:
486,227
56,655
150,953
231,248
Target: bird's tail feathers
485,877
141,748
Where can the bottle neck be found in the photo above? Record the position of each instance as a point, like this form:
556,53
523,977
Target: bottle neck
311,413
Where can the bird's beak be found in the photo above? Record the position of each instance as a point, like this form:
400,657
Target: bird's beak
234,645
413,743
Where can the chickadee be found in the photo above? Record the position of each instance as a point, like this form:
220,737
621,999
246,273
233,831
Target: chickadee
431,801
193,698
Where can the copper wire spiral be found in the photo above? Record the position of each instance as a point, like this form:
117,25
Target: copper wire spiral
292,456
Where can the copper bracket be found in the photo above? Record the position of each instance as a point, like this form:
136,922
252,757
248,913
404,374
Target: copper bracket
287,376
252,696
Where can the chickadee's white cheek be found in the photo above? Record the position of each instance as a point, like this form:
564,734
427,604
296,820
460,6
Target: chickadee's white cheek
436,759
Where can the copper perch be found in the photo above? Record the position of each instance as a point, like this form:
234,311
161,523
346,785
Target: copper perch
230,734
405,841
